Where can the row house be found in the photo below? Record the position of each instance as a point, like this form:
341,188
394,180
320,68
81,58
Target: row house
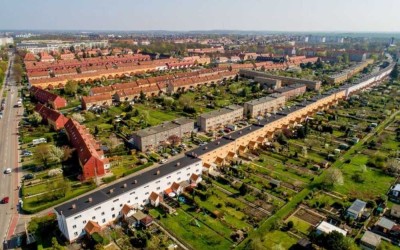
152,137
91,157
219,118
54,118
134,93
97,100
38,75
44,96
263,106
124,198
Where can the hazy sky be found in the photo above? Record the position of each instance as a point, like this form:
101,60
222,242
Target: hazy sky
276,15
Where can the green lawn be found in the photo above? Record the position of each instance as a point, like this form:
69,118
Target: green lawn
299,224
184,227
278,240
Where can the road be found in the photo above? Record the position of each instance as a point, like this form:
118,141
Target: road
9,157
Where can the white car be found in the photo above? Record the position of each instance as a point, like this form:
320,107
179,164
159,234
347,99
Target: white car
7,171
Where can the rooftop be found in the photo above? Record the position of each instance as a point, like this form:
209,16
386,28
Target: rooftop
357,207
121,187
222,111
164,127
261,100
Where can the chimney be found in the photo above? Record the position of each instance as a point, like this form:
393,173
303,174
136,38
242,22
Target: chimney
135,182
158,172
205,148
90,199
73,206
218,142
111,191
178,164
125,185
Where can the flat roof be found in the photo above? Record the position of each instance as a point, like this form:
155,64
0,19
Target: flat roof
242,132
327,228
164,127
357,206
261,100
118,188
371,238
290,87
226,110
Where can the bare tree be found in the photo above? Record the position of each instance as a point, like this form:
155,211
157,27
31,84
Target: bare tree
78,117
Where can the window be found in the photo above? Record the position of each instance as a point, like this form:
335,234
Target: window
157,181
146,186
168,177
144,201
104,220
179,178
146,193
115,200
188,174
113,215
188,168
76,217
84,222
120,205
197,170
102,213
94,217
136,198
158,188
74,226
76,233
179,172
169,183
129,201
132,193
112,209
97,208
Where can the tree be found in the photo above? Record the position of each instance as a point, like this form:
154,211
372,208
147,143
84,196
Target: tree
174,140
336,241
142,96
71,87
168,101
55,153
243,189
41,154
393,167
78,117
35,119
333,177
395,72
55,245
17,70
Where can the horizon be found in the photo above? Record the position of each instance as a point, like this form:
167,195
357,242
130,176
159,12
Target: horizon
340,16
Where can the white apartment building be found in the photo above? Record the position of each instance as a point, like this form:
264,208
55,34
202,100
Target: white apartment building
6,40
104,206
264,105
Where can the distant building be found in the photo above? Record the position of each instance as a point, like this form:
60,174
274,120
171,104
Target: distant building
291,91
6,40
46,97
219,118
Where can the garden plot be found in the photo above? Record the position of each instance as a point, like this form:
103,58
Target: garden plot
309,216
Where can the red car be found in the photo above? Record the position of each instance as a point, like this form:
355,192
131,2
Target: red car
5,200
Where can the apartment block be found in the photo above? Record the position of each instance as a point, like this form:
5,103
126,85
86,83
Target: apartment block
264,105
219,118
152,137
292,91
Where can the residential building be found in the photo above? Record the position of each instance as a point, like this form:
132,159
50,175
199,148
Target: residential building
268,83
105,205
219,118
152,137
6,40
356,209
387,227
54,118
91,157
97,100
292,91
46,97
311,85
263,106
370,241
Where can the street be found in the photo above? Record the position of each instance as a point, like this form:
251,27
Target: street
9,157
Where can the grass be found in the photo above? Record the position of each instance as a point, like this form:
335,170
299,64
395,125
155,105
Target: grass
277,240
183,226
156,116
299,224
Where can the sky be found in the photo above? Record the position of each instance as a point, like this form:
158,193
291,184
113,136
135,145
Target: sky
185,15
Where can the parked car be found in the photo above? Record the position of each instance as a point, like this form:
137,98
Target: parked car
5,200
7,171
28,177
162,161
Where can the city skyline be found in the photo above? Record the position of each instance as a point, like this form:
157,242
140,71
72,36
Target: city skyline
177,15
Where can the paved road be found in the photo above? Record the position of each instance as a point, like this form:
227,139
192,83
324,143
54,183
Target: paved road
9,158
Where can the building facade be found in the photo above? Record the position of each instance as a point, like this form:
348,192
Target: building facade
219,118
264,105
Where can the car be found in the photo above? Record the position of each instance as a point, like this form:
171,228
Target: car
28,177
5,200
7,171
162,161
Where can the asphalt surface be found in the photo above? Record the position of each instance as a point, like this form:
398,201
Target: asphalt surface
9,157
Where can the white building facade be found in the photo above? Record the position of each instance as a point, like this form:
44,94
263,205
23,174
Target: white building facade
104,206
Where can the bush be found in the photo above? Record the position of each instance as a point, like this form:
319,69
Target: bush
109,179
